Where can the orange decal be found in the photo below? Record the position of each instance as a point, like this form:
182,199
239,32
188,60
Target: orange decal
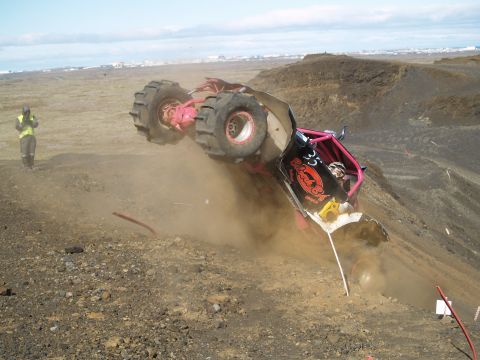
309,180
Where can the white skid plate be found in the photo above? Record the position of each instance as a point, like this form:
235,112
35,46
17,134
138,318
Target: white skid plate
342,220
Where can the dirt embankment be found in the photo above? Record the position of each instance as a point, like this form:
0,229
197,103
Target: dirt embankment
473,60
417,126
370,94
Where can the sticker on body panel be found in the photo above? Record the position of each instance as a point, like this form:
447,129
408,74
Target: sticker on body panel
310,181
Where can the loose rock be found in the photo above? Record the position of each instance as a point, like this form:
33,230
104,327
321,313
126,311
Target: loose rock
95,316
54,328
221,324
6,291
106,295
113,342
69,265
333,338
74,250
218,299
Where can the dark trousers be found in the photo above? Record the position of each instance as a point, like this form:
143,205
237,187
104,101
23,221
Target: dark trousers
27,148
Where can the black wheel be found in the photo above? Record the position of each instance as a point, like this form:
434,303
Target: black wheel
361,246
367,271
149,108
231,126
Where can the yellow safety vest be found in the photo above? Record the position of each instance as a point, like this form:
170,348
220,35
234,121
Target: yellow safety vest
27,130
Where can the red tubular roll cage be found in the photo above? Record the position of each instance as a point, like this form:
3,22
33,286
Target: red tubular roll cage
330,150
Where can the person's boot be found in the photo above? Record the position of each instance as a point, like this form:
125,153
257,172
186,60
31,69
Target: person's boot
25,162
31,159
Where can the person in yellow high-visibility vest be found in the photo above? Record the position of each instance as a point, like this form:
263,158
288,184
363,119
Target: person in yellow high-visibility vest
25,124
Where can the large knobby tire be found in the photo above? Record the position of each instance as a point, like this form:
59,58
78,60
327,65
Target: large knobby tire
231,126
368,273
361,246
148,109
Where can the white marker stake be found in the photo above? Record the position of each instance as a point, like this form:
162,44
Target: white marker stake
442,308
338,262
476,314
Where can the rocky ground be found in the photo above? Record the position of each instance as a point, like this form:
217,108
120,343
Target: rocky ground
96,291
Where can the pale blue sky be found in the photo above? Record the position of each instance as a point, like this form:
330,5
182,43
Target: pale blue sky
44,34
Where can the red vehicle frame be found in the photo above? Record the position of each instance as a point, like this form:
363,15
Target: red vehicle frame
332,150
237,128
182,116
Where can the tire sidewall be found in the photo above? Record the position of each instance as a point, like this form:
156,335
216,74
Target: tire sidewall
157,129
230,104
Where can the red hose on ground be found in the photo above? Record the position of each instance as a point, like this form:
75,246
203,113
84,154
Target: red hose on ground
128,218
459,322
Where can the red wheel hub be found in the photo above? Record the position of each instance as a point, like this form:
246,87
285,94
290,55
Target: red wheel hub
240,127
166,110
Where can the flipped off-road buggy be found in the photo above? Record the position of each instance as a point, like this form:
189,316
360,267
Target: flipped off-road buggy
258,131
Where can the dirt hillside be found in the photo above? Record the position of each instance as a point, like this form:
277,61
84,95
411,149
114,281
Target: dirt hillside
78,282
416,126
331,90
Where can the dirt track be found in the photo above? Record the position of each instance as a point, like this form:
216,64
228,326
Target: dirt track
204,288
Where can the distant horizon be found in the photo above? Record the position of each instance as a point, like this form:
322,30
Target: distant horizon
221,57
47,34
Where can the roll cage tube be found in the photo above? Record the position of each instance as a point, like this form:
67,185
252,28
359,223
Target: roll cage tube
214,85
319,138
182,116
